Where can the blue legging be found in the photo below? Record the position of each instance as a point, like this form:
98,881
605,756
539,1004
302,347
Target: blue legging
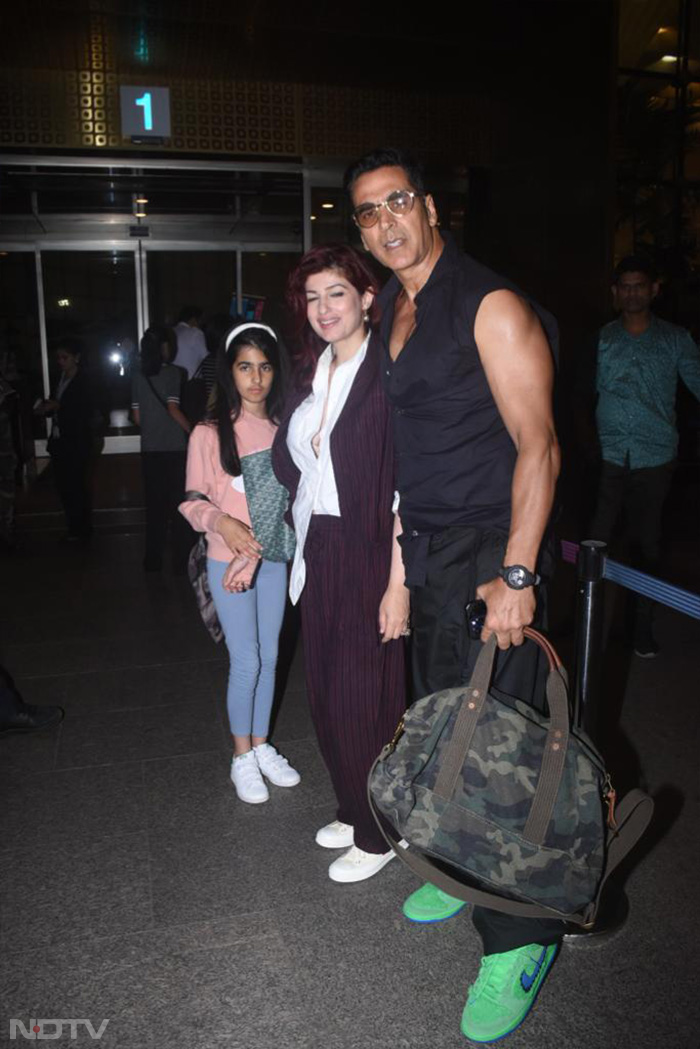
251,622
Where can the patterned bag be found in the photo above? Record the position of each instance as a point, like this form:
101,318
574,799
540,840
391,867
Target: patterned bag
267,502
199,578
498,805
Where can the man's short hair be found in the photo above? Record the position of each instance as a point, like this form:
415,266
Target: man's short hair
635,264
70,344
386,158
190,313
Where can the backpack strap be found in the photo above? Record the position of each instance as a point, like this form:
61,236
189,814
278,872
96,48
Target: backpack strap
155,393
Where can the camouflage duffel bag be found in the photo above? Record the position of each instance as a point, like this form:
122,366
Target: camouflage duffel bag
501,806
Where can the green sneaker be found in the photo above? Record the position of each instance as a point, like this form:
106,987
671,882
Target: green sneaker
505,991
430,904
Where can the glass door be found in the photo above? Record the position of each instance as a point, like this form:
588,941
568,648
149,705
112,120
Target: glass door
91,302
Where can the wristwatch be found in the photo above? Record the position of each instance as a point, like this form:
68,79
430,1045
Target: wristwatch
517,577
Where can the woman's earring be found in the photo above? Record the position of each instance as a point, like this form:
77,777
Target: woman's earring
365,317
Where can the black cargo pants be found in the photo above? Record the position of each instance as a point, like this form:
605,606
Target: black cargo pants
458,560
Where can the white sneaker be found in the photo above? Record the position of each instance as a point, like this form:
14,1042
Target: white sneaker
356,865
247,780
335,835
275,767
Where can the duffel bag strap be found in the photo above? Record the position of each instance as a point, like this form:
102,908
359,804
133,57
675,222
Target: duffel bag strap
632,816
428,871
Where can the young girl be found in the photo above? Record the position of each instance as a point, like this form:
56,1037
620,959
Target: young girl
248,590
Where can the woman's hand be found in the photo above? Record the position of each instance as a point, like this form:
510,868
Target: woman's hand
393,612
238,537
238,575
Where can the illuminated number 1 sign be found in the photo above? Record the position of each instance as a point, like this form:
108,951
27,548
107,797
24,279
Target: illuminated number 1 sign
145,101
145,111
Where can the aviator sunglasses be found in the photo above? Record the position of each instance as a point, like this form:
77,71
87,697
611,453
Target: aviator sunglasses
399,203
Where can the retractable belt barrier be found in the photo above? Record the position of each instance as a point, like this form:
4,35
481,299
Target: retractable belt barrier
648,586
593,567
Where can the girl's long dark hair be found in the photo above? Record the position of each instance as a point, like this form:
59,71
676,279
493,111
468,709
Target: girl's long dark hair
227,404
308,345
151,349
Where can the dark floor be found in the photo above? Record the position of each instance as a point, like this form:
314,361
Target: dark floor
136,888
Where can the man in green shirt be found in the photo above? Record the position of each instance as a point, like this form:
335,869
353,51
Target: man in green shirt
640,359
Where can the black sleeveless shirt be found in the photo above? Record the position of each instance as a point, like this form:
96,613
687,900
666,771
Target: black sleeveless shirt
455,458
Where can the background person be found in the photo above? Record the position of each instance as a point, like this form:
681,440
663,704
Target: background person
191,345
155,407
18,717
334,453
71,442
639,362
243,421
9,400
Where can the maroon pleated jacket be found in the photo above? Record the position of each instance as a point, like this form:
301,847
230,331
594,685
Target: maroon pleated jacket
362,452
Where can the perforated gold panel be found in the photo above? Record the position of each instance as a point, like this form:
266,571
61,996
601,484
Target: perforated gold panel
75,110
256,117
345,121
81,109
260,118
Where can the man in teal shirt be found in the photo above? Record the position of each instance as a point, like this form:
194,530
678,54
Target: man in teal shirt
640,359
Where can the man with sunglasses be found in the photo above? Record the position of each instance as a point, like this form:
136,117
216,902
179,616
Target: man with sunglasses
468,369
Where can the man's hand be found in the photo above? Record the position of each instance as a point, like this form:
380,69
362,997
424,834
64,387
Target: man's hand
238,537
508,611
47,407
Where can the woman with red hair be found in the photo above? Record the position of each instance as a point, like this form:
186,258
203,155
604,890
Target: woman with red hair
334,453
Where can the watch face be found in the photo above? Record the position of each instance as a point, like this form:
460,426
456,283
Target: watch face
516,578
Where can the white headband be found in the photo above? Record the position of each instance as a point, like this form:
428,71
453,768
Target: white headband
242,327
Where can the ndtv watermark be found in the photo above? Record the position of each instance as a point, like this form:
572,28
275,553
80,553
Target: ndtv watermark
49,1030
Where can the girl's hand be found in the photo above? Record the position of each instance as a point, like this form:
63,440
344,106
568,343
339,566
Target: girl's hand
393,613
238,575
238,537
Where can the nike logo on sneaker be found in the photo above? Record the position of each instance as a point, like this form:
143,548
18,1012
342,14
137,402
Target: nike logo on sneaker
527,979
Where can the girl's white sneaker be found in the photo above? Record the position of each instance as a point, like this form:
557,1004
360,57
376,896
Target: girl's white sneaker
247,780
275,767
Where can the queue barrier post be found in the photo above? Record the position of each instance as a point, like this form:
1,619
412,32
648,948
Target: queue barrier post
588,637
588,651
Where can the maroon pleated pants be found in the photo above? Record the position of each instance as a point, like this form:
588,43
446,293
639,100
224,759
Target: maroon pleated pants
355,684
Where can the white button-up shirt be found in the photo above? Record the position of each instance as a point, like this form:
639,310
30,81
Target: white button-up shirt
191,347
317,492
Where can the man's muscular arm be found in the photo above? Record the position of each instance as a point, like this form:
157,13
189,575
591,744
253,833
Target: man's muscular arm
518,365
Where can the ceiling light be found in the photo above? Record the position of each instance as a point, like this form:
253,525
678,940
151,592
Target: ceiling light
312,217
669,58
63,302
328,206
141,200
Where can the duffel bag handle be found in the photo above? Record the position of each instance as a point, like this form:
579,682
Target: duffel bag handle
554,756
